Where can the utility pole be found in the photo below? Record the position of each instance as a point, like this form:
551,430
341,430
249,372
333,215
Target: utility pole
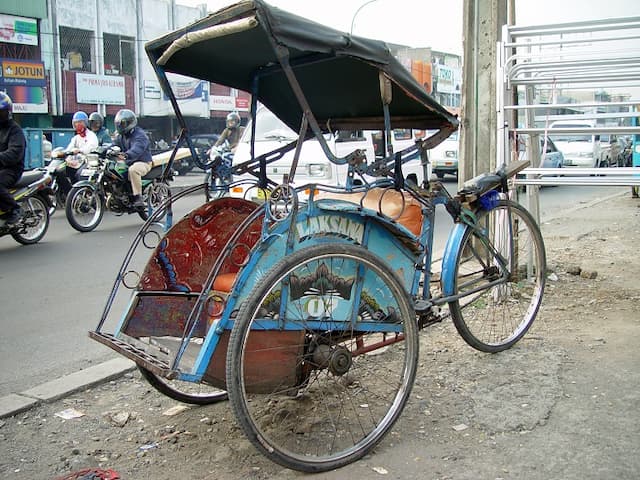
482,28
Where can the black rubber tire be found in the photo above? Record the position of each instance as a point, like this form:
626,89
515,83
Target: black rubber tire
484,319
81,198
155,196
328,417
185,392
33,207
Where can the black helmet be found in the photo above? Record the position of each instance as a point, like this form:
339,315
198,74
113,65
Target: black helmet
95,120
233,120
125,121
6,108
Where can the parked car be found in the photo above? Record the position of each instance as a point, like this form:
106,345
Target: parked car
444,157
580,149
550,155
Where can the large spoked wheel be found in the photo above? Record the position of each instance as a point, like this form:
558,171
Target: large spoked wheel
496,317
156,194
186,392
34,223
322,357
84,208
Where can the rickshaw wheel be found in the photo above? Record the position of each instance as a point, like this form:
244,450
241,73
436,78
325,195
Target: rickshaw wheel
350,370
185,392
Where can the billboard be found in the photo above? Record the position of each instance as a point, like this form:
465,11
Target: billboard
25,82
100,89
18,30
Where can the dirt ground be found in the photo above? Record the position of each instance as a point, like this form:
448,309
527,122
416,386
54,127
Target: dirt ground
564,403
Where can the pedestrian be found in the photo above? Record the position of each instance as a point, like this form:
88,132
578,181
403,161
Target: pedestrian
96,124
12,150
136,151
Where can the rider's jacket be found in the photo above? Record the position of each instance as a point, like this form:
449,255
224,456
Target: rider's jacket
103,136
86,143
12,147
232,135
135,145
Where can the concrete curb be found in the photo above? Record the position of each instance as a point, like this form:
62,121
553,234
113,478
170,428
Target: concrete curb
61,387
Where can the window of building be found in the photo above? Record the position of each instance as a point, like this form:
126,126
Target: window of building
119,55
76,49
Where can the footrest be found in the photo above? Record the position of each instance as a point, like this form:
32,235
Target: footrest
142,358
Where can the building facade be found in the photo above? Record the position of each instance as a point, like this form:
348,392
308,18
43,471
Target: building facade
61,56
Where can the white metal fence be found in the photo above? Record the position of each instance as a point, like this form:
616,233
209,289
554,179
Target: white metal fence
572,71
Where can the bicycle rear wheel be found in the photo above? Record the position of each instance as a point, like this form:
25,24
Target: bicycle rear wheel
501,275
322,357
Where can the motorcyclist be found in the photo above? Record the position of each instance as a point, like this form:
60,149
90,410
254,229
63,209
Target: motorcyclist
12,149
96,124
232,133
82,143
136,151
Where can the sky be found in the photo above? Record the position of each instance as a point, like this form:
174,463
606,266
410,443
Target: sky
431,23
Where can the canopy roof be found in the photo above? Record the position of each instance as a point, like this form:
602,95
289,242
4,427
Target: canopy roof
338,73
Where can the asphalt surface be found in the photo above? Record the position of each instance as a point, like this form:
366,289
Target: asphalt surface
50,391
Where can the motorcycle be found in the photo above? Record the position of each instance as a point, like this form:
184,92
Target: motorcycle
107,187
218,169
57,167
32,192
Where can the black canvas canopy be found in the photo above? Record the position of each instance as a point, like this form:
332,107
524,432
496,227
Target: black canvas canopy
248,46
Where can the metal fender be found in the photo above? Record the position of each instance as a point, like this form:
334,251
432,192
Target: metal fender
449,258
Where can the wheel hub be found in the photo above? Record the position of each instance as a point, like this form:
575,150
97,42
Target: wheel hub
336,359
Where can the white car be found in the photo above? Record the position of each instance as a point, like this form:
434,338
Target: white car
579,149
444,157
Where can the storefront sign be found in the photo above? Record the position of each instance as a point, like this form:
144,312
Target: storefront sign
18,30
22,72
448,79
227,103
28,99
185,90
101,89
152,89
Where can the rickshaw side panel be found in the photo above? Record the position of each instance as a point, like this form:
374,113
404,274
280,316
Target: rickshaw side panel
274,360
178,269
185,256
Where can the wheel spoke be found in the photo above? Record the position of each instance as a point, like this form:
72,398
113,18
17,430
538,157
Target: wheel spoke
502,281
331,402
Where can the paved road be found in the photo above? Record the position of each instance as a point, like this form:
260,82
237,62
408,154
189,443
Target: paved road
52,293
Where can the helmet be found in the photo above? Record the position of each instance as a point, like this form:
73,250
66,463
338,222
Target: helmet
6,107
80,117
233,120
95,120
125,121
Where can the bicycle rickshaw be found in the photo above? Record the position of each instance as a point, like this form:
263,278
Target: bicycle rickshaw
305,308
